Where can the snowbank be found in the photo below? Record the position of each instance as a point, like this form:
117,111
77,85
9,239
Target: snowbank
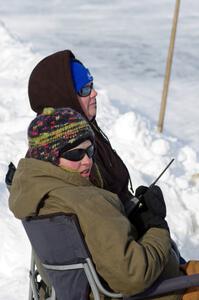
144,151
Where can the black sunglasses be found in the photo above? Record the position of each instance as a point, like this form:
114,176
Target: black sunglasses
86,90
78,154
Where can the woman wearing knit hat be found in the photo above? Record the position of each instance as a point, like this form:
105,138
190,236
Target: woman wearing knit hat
60,80
55,132
54,177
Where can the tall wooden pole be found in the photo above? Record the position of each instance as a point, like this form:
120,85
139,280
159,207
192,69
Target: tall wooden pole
168,68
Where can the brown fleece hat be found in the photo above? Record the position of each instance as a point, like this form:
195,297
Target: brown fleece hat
51,84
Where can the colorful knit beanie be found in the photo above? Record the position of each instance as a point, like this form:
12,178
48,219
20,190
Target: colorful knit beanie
55,129
80,75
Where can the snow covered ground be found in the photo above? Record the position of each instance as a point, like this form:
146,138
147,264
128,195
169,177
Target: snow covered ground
125,47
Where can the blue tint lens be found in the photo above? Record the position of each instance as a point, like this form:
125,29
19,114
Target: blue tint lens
86,90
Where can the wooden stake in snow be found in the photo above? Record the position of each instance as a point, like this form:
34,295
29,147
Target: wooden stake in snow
168,67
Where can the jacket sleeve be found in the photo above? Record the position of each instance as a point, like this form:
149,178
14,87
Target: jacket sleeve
128,266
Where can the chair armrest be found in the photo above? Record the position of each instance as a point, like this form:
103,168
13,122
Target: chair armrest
168,286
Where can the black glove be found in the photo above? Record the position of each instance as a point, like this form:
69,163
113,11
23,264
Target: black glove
151,212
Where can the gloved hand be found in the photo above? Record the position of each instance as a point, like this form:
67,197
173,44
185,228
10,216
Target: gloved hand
151,212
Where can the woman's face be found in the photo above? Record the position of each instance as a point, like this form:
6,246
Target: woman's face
82,166
89,104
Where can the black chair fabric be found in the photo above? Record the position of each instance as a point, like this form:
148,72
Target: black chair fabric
57,241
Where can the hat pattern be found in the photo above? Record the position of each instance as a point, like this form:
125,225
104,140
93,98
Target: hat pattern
55,129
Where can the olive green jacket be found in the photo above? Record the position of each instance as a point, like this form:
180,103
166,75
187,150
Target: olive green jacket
127,265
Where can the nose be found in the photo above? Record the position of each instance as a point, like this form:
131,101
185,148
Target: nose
93,93
86,160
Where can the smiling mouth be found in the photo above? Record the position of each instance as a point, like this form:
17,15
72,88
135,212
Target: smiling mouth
85,173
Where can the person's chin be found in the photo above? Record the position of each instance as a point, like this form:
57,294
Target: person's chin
93,112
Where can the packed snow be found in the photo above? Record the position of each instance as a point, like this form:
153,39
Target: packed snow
129,124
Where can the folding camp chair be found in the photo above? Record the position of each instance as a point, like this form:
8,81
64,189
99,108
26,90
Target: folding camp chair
58,241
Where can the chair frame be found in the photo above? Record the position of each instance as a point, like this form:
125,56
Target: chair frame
33,283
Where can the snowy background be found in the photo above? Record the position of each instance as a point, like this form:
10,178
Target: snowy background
124,44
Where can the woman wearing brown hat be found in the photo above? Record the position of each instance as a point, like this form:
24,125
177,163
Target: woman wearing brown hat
54,177
59,81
